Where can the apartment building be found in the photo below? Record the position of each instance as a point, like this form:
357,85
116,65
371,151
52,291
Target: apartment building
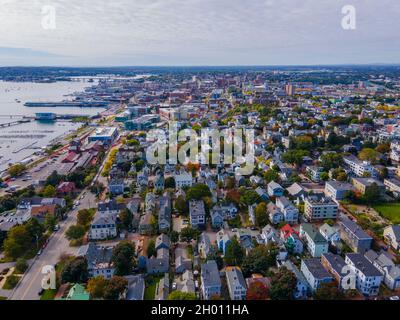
320,208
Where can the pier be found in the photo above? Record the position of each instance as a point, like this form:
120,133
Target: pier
16,122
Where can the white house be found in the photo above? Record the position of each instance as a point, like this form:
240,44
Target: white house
316,243
236,284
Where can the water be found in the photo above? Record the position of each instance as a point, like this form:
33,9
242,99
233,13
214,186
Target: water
21,141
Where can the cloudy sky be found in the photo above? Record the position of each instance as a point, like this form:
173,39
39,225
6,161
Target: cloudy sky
197,32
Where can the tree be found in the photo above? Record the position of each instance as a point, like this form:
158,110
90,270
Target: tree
96,287
75,271
169,183
50,222
234,253
295,156
250,197
233,196
181,205
126,218
16,170
123,255
49,191
328,291
188,234
283,285
324,176
151,249
257,291
198,191
174,236
331,160
372,193
179,295
53,179
271,175
261,215
75,232
383,148
84,217
260,259
115,288
21,265
368,154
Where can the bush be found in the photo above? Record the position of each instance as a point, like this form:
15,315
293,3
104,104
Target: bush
21,265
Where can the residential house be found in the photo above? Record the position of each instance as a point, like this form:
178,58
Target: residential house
223,240
136,287
362,184
197,214
274,189
164,213
301,284
384,263
336,265
368,277
274,213
116,186
236,284
316,243
289,211
316,208
391,235
183,179
204,245
337,190
98,259
315,273
210,280
65,188
354,236
162,288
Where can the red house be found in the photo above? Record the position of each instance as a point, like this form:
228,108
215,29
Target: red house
66,188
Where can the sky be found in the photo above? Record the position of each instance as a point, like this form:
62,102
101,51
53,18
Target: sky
196,32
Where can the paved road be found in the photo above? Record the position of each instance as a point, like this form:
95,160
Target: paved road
30,285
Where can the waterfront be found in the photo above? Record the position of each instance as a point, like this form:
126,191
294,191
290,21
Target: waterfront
20,141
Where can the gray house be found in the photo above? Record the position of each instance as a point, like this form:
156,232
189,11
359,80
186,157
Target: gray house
210,280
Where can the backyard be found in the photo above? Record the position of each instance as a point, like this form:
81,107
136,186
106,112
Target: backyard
390,211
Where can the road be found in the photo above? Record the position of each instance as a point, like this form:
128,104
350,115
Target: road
30,284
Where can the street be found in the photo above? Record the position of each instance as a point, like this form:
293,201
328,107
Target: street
29,286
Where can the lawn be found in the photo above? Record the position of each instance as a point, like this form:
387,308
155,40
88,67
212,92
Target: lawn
48,294
390,211
11,282
150,290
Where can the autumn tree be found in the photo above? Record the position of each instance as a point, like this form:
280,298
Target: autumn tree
257,291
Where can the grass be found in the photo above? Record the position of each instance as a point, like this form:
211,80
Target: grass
3,298
390,211
151,284
48,294
11,282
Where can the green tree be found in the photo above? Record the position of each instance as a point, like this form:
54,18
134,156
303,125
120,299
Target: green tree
324,176
283,285
372,194
123,257
261,215
188,234
197,192
84,217
250,197
234,253
75,271
174,236
169,183
16,170
21,265
49,191
295,156
126,218
181,205
368,154
271,175
151,249
50,222
331,160
260,259
75,232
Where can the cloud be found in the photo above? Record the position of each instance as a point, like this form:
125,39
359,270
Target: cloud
159,32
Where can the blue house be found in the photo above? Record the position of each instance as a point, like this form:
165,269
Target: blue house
223,241
275,190
217,219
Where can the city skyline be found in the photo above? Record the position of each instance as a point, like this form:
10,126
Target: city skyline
196,33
